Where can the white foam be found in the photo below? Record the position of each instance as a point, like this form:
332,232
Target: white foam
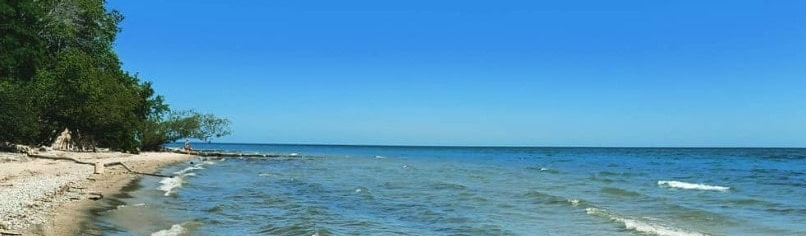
192,168
360,190
175,230
574,202
269,175
135,205
641,226
684,185
169,184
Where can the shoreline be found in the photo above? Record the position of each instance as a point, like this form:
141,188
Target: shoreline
54,197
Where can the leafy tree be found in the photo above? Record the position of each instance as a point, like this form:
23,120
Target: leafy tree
181,125
22,50
19,124
58,70
211,126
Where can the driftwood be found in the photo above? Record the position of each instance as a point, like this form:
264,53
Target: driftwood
136,172
96,196
9,233
60,158
92,163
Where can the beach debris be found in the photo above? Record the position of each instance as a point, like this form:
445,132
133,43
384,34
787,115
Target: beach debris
9,233
96,164
99,167
96,196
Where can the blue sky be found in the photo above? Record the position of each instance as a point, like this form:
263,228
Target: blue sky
531,73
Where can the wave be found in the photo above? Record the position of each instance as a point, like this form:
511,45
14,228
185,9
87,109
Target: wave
749,202
361,190
545,198
124,206
189,169
685,185
641,226
169,184
619,192
447,186
175,230
268,174
543,169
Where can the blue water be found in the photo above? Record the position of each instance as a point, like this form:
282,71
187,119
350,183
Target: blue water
377,190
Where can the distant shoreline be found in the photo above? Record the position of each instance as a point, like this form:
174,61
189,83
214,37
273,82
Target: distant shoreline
178,144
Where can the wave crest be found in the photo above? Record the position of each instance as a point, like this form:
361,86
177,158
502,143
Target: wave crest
175,230
169,184
685,185
641,226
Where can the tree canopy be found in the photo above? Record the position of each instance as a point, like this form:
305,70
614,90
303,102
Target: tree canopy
58,69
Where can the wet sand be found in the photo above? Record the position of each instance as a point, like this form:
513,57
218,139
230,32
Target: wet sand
53,197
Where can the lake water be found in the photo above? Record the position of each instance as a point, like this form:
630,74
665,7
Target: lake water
380,190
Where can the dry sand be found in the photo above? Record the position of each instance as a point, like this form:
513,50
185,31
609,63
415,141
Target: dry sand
52,197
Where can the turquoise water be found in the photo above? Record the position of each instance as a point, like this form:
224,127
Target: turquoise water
375,190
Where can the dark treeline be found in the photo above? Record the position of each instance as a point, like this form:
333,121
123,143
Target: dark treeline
58,70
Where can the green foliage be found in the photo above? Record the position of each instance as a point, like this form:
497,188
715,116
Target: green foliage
58,70
21,48
211,126
184,124
19,123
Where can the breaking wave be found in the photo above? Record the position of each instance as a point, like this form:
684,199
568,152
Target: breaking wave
170,184
685,185
175,230
640,226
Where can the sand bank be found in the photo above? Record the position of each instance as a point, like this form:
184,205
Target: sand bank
51,197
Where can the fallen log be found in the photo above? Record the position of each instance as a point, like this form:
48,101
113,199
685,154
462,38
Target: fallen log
60,158
136,172
93,164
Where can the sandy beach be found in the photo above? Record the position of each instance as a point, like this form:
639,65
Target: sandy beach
51,197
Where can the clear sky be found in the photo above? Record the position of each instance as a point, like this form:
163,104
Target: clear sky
427,72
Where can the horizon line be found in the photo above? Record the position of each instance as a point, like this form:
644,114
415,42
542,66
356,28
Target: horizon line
505,146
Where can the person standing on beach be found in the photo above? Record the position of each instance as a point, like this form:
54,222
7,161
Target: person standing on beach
187,146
